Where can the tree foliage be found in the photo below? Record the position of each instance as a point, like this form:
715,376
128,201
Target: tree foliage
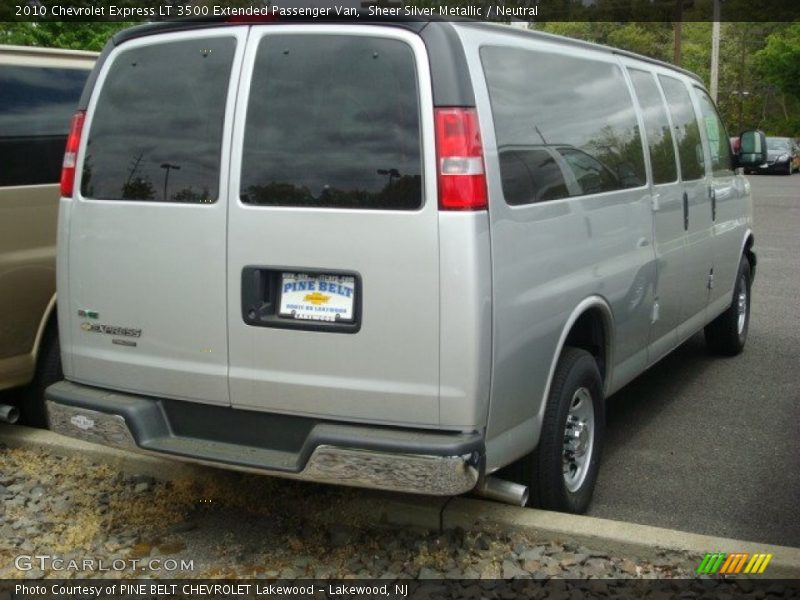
779,60
59,34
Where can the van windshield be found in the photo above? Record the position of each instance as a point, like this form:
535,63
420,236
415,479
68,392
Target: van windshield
333,121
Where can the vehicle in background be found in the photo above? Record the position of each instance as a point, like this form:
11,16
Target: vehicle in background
783,156
400,255
39,90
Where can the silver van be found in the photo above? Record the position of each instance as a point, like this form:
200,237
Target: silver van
397,255
39,92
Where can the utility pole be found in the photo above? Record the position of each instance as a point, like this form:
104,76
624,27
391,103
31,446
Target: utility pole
715,27
167,168
676,57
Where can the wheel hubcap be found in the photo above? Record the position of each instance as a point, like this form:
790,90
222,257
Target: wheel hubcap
578,439
741,304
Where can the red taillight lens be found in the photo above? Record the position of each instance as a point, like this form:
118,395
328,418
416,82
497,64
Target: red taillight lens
459,157
71,154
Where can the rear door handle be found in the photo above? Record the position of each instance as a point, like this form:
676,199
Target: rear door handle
685,211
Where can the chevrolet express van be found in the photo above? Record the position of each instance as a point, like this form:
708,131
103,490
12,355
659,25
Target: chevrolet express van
397,255
39,92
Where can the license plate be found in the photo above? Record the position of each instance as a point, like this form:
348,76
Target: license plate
317,297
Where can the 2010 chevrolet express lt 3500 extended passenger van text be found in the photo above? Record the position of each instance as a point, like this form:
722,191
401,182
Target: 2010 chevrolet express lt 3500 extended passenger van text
399,255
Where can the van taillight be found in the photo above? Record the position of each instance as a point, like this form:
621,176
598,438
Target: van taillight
459,156
71,154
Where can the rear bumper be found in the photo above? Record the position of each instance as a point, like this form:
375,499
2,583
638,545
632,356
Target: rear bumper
386,458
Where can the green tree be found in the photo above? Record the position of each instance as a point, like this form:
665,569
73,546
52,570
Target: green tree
779,60
59,34
138,188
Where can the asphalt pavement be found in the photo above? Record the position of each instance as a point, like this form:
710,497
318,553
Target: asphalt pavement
712,445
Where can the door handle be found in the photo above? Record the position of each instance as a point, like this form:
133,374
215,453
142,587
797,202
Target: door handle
259,294
685,211
712,193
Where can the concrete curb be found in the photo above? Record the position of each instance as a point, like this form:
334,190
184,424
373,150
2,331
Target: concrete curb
613,537
619,538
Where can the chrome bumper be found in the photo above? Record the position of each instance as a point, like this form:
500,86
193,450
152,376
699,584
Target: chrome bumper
411,473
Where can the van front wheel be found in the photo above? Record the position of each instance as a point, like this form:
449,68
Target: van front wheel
564,465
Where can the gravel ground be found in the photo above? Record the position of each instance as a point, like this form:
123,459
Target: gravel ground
237,525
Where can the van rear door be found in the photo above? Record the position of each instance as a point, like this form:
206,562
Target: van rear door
333,260
146,266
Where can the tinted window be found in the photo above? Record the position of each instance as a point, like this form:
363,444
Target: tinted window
157,128
687,131
719,145
333,121
36,105
554,112
531,175
656,123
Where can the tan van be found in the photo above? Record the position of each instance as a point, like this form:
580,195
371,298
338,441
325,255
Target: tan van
39,90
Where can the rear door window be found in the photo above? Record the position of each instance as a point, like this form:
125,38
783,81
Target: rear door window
36,105
333,122
157,128
554,113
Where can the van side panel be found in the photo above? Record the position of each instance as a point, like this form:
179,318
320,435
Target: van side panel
27,269
465,319
547,258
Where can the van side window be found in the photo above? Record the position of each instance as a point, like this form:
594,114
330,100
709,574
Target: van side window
718,140
656,123
565,126
156,133
36,105
687,131
333,121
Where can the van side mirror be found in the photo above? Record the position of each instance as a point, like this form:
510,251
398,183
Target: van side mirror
752,149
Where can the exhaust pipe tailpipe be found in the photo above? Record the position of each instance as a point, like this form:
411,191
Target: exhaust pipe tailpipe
503,491
8,413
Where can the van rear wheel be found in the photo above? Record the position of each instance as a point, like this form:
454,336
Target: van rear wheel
563,469
727,334
48,371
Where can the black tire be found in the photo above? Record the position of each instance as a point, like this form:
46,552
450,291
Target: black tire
576,370
726,335
48,371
